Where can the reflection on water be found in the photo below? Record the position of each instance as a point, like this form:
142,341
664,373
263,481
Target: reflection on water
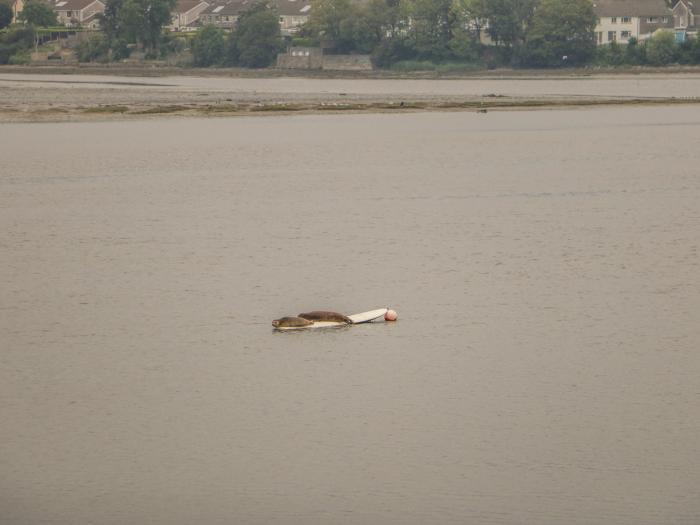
544,368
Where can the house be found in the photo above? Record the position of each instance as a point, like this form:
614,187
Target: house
685,22
186,13
224,13
620,20
293,14
74,13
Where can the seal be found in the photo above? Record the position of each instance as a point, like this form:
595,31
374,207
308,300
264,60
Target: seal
291,322
320,315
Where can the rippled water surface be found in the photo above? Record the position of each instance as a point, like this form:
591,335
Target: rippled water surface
545,368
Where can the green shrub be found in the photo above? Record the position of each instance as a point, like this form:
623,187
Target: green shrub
21,58
391,51
209,47
304,41
662,49
94,49
18,41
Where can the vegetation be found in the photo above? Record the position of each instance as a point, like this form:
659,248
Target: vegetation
256,39
445,36
136,21
38,13
15,45
561,32
5,15
208,47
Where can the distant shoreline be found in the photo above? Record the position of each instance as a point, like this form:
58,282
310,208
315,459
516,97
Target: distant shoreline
154,70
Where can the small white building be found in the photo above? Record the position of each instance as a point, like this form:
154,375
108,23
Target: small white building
620,20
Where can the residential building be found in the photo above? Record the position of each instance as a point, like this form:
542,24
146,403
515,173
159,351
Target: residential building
293,14
74,13
186,14
225,13
620,20
16,6
685,22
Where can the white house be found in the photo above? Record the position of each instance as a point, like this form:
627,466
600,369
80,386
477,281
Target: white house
186,13
620,20
73,13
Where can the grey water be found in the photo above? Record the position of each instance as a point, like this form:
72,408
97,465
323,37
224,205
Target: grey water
545,367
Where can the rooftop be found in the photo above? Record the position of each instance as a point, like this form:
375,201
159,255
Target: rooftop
630,8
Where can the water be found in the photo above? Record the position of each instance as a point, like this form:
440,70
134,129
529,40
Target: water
544,369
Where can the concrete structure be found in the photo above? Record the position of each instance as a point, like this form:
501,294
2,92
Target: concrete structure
313,58
186,13
620,20
74,13
301,58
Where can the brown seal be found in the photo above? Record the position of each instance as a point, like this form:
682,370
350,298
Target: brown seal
291,322
319,315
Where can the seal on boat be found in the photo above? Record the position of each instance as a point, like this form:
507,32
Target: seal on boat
320,315
291,322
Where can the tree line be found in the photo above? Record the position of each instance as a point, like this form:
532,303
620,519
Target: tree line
410,34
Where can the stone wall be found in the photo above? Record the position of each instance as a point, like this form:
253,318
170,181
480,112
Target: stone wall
347,62
301,58
313,58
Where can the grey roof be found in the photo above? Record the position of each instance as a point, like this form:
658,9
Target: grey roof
236,7
630,8
71,5
292,7
227,7
184,6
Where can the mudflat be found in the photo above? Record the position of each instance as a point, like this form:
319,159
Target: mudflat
37,97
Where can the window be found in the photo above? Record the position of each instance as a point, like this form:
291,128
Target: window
664,19
626,20
599,37
613,20
612,36
624,35
651,19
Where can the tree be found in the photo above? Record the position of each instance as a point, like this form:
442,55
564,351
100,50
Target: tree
5,15
139,21
561,33
256,39
332,21
38,13
434,22
508,20
110,20
208,47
